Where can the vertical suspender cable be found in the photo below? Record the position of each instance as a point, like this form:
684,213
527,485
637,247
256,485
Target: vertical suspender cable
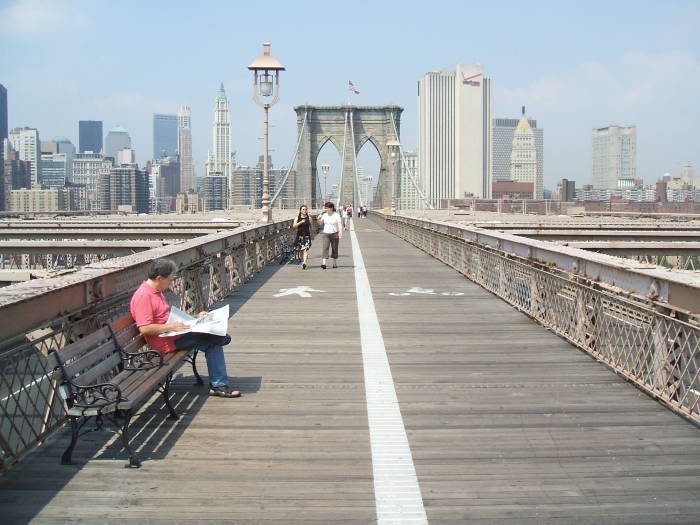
342,162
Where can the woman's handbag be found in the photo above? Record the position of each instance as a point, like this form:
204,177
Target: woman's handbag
335,235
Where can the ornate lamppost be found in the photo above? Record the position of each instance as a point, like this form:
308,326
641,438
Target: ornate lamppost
394,152
266,93
325,168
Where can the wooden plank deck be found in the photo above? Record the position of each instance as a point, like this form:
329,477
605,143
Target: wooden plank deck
507,423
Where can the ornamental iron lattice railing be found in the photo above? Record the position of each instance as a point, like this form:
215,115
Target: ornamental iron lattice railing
210,268
649,341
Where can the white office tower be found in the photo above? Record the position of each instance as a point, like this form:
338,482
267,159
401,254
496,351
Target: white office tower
219,162
523,157
26,142
126,156
454,133
688,175
188,182
614,155
408,195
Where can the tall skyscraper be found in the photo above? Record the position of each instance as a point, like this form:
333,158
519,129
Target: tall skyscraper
87,169
4,130
3,135
614,156
90,136
454,133
54,167
26,142
503,131
219,161
124,186
117,139
215,192
164,136
184,140
60,145
523,163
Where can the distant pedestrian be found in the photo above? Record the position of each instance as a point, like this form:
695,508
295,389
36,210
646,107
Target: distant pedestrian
303,225
332,232
348,210
344,216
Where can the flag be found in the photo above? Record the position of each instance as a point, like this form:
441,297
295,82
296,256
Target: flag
352,88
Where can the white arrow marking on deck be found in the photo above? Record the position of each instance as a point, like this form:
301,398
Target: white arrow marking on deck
301,291
397,494
415,289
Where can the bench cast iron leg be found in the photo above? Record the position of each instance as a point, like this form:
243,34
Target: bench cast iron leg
75,429
133,459
193,360
166,396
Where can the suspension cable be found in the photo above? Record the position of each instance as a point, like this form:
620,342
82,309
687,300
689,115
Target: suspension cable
294,158
405,166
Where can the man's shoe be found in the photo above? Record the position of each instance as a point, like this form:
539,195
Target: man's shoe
335,264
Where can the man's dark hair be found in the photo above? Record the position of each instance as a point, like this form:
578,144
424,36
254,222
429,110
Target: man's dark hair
161,268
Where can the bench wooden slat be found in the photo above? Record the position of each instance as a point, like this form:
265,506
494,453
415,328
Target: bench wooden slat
121,323
135,345
94,374
83,345
89,359
124,337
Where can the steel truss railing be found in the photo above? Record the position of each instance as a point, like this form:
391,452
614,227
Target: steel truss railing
646,339
41,316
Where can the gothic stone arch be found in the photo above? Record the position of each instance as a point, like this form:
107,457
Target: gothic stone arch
329,123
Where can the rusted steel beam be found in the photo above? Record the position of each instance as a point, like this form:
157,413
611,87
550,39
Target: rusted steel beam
636,247
608,235
114,248
67,234
31,303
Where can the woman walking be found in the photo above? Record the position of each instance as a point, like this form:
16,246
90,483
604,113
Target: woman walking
332,232
303,240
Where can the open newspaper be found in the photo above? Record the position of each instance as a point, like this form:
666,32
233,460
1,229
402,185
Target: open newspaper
215,322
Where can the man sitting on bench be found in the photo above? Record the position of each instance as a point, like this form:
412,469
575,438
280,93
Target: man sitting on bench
150,310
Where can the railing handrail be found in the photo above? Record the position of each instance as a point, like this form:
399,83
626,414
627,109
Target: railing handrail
679,289
38,300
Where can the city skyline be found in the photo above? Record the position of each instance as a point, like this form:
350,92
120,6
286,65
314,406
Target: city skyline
621,77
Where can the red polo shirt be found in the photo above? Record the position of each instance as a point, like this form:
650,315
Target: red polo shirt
148,306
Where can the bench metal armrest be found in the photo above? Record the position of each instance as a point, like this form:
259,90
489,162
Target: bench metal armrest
145,360
94,396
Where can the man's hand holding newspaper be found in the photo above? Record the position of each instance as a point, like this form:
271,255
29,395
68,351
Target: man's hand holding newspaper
214,322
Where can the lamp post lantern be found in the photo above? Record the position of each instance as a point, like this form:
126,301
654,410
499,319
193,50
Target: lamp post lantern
394,152
266,93
325,168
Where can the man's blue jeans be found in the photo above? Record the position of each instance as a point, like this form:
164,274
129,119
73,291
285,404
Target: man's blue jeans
214,354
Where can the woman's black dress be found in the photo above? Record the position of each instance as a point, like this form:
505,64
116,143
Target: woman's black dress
303,240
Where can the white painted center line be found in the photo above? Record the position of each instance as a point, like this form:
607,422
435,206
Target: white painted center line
396,491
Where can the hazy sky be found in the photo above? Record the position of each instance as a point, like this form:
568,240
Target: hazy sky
575,66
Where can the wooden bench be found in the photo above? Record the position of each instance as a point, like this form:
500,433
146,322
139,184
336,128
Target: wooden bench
111,372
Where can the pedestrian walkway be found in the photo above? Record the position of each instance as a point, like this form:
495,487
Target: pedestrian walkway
502,421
